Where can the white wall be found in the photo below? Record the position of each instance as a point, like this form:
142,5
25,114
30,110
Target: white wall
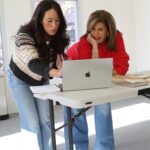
124,14
15,13
142,11
86,7
3,106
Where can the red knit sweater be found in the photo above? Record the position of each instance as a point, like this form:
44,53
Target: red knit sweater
120,56
83,50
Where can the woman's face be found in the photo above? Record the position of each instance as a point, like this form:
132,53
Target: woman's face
51,22
99,32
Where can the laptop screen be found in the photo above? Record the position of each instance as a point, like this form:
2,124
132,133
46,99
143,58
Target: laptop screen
87,74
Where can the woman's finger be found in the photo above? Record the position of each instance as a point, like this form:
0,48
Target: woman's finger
62,57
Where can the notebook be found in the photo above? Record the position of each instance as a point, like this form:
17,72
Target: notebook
87,74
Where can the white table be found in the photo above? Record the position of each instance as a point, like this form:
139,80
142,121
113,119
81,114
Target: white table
87,98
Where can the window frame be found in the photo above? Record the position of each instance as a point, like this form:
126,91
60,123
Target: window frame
2,37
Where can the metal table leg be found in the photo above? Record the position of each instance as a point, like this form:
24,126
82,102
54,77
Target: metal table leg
70,124
70,121
52,124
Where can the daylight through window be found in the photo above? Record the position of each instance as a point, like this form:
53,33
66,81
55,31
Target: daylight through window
69,8
1,51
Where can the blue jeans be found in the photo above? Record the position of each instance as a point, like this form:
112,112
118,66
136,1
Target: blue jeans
103,125
34,113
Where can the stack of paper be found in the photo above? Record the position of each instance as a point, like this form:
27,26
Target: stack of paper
131,80
44,89
56,81
141,75
134,80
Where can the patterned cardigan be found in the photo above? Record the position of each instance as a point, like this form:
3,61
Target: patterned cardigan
26,63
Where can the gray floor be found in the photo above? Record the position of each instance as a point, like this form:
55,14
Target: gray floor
132,136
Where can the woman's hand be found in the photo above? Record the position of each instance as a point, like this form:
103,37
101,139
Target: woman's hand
114,72
59,64
94,44
55,73
91,40
59,61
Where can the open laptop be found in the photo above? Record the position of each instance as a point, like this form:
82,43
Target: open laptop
87,74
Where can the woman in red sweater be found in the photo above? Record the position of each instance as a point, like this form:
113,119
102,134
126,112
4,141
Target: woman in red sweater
102,40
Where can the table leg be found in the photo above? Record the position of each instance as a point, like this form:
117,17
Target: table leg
52,124
70,123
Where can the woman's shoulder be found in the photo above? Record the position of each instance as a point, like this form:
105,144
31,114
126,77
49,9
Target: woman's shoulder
119,34
83,43
83,37
83,40
24,38
119,37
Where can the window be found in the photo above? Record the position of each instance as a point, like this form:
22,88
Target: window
69,8
1,56
1,50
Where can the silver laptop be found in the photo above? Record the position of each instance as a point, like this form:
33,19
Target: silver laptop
87,74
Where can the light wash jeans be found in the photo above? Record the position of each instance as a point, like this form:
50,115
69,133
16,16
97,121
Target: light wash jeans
103,125
34,113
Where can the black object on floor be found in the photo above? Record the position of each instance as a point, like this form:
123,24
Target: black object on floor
4,117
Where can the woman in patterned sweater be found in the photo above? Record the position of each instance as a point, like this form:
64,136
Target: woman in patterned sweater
38,55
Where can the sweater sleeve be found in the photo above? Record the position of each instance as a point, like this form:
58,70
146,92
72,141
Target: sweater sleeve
28,54
120,56
84,48
72,52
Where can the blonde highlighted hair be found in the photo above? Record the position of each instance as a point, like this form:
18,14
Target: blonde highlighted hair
109,21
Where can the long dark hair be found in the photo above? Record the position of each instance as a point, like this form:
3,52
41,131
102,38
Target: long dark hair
35,29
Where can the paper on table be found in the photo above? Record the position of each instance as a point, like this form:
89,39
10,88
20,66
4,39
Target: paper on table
44,88
140,75
134,80
56,81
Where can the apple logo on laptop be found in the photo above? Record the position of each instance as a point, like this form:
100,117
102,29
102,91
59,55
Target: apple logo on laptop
87,74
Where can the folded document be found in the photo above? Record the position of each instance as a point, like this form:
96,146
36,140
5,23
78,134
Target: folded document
44,89
129,81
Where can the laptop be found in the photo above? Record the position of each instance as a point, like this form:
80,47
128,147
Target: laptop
87,74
